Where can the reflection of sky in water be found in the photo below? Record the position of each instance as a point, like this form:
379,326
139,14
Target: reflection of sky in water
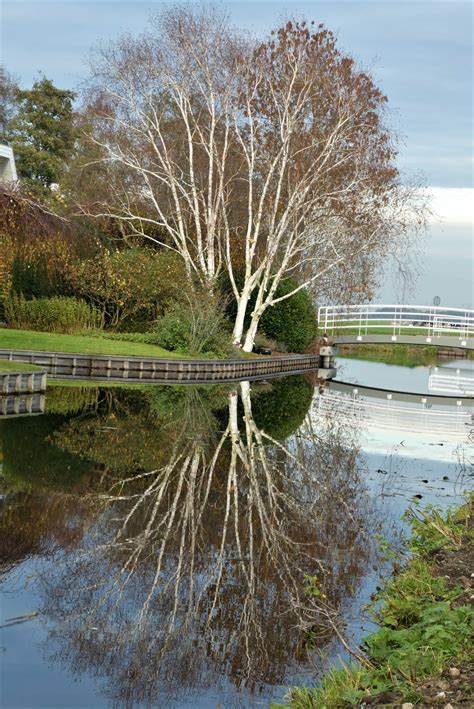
392,376
396,464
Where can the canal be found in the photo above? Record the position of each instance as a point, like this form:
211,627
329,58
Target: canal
157,541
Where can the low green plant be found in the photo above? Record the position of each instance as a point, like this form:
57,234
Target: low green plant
313,587
146,338
58,314
423,626
197,327
433,529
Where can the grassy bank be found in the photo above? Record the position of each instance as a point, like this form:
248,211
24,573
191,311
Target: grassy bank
420,653
404,355
85,344
6,367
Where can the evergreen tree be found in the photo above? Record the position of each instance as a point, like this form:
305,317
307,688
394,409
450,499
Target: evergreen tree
42,134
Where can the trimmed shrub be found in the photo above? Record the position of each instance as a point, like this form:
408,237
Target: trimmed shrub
292,321
59,314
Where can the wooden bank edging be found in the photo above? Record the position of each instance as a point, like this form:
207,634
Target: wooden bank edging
13,405
22,382
151,369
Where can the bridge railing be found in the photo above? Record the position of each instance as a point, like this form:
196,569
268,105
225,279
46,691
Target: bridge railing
396,319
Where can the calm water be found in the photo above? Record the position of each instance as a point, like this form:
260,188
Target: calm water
162,536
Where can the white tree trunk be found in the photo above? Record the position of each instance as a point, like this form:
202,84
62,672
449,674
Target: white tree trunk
252,331
242,304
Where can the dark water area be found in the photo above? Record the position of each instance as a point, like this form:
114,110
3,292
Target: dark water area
157,541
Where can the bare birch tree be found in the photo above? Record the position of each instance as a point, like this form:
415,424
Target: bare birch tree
257,160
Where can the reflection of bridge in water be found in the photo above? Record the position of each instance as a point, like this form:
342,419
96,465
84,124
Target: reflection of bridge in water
400,324
452,381
425,400
365,408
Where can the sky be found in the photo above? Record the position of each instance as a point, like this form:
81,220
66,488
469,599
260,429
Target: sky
420,53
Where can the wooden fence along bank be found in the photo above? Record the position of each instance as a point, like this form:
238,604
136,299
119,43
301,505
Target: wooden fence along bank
64,365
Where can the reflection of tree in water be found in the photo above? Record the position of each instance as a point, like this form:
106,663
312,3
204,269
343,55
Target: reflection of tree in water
193,571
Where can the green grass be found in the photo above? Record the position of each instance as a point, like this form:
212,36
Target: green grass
84,344
422,627
6,366
404,355
93,384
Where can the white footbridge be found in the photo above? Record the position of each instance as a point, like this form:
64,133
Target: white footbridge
403,324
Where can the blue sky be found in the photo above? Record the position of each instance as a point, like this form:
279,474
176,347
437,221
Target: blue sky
419,52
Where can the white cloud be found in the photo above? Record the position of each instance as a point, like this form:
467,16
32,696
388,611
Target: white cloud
452,205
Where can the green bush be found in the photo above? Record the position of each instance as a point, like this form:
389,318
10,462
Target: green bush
196,328
292,321
173,331
58,314
130,288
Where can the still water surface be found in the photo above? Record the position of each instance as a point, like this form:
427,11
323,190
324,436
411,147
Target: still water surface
162,535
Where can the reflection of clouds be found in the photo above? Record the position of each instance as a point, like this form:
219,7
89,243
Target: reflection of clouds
192,575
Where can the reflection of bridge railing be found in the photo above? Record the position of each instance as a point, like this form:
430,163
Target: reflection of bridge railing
371,318
451,381
392,415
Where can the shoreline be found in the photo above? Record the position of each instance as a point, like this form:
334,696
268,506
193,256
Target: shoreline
420,654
